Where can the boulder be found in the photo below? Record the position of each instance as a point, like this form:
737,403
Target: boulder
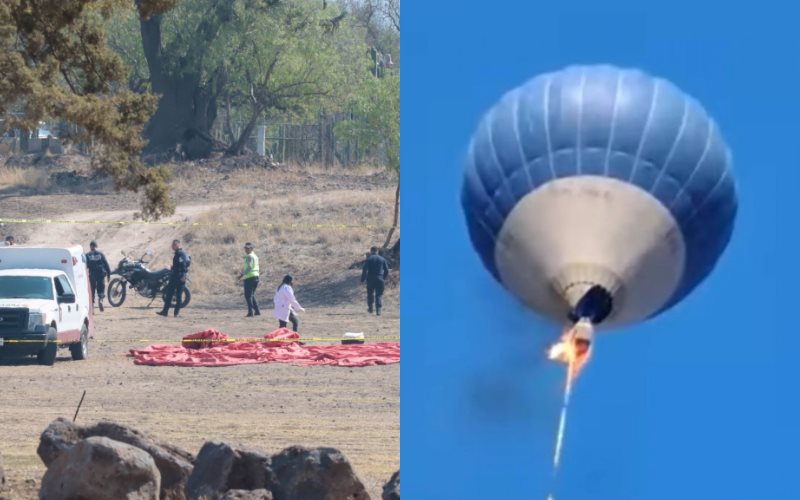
56,439
221,467
391,490
174,464
315,474
102,469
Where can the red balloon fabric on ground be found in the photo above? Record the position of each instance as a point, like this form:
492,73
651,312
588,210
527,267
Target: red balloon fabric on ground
212,348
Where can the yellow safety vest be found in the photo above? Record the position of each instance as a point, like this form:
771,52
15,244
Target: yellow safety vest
250,272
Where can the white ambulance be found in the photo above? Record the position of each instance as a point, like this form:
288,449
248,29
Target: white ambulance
45,302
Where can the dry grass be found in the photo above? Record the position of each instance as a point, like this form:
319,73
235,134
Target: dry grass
316,257
188,174
24,178
211,192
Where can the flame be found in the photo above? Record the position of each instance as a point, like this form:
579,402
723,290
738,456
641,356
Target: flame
565,351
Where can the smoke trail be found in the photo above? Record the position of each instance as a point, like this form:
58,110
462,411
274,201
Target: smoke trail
562,424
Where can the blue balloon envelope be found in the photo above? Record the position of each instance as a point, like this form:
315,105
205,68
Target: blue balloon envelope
598,185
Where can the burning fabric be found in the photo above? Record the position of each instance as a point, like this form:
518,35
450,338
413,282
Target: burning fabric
574,348
214,348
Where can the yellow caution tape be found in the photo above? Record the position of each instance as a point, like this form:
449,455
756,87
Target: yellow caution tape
192,341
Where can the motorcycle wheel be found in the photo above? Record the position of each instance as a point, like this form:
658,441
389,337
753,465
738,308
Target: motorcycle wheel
187,296
117,290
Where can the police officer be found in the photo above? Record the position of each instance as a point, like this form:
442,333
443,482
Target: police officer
99,272
177,279
375,272
250,276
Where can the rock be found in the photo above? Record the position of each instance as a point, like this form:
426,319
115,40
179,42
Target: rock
261,494
174,464
56,439
315,474
102,469
2,473
221,467
391,490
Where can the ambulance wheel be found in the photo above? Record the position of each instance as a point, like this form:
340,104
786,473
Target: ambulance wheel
47,356
80,351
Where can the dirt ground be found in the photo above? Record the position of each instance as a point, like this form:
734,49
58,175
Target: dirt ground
271,406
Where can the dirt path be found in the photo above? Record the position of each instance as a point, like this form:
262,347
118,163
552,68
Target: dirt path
120,237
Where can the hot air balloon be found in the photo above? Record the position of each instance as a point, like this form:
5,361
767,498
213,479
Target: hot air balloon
600,194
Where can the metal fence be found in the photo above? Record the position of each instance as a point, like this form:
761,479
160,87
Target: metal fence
296,142
303,142
10,145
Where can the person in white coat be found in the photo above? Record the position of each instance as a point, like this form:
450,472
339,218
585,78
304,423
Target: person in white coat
286,304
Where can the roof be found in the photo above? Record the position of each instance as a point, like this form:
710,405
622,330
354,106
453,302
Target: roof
19,246
42,273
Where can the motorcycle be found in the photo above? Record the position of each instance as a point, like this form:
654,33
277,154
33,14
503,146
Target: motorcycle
134,273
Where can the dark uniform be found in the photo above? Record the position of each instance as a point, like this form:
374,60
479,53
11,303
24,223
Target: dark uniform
180,268
98,271
375,271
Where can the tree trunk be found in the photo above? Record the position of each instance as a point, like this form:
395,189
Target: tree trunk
24,141
238,146
186,110
395,253
229,136
396,217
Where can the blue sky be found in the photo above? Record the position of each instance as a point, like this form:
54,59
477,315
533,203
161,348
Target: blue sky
700,403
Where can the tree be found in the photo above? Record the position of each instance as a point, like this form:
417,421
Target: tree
391,9
183,72
188,53
377,103
290,61
377,107
381,18
56,63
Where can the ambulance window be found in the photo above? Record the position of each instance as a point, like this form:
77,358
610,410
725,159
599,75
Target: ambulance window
63,286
